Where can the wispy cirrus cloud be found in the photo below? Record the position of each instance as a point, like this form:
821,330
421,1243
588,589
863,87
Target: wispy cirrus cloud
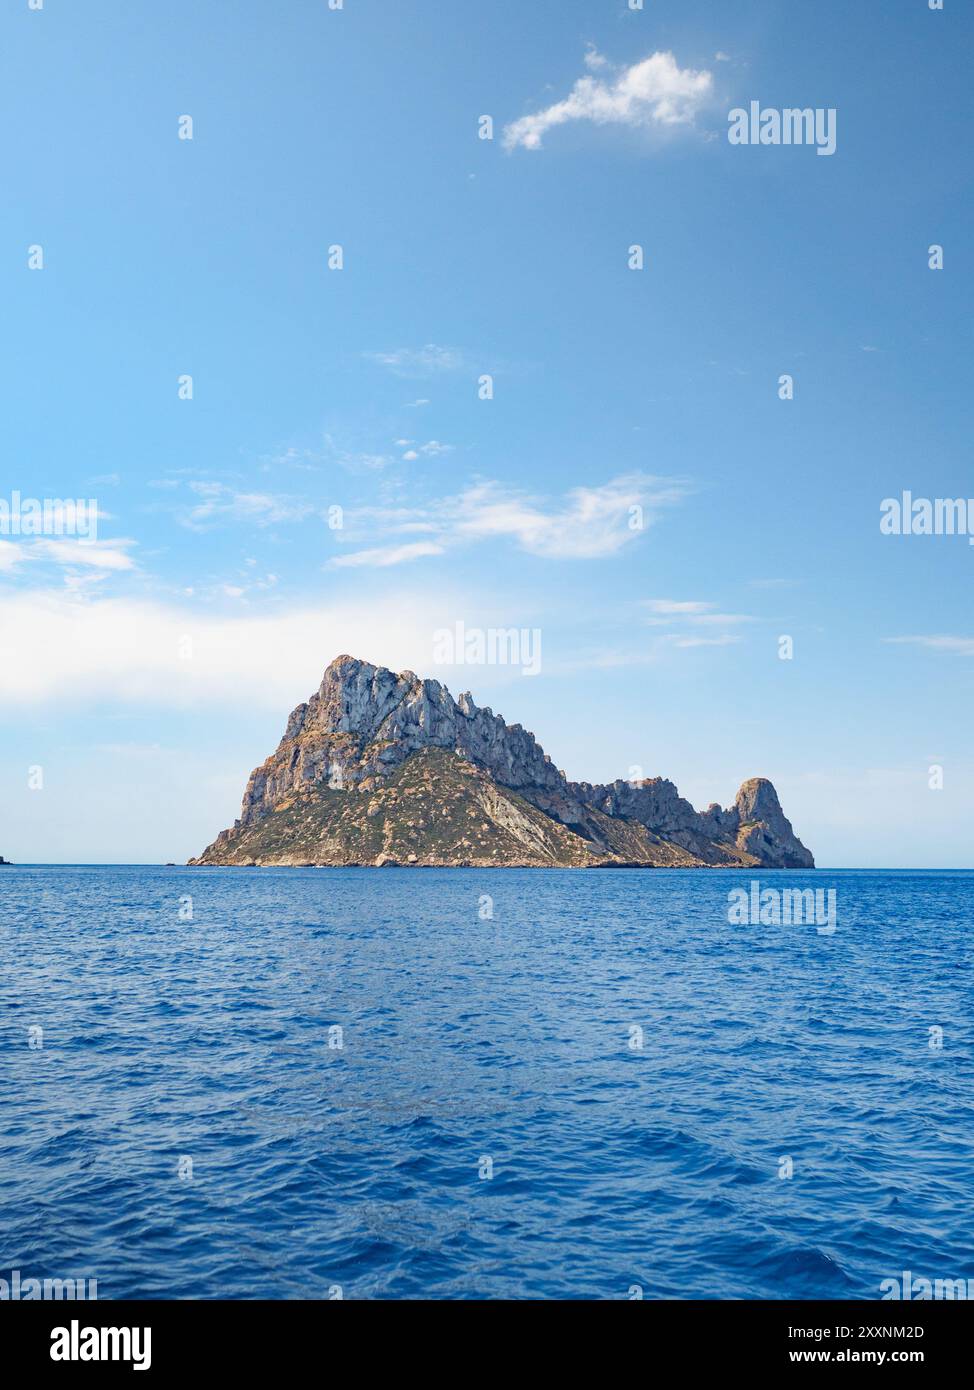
384,556
697,618
104,555
941,642
675,608
664,610
586,523
219,503
653,92
590,522
429,360
70,554
686,639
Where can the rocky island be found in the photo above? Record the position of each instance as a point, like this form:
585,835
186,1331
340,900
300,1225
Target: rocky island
380,769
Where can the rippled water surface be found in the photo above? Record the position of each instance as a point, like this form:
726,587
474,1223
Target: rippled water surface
467,1039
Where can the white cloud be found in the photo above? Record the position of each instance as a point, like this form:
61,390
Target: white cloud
354,460
960,646
432,449
120,650
669,607
245,584
666,610
724,640
222,504
588,523
653,92
10,556
69,554
429,360
695,613
383,556
723,619
104,555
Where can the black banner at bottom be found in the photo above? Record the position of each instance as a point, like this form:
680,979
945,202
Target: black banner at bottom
163,1339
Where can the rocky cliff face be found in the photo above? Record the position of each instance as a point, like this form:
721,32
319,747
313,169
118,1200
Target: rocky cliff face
380,768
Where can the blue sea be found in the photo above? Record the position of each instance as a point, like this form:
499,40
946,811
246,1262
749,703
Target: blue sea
473,1083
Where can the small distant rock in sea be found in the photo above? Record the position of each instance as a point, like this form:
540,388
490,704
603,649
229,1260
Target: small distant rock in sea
390,770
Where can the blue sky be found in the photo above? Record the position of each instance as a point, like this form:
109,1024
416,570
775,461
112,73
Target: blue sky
358,388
